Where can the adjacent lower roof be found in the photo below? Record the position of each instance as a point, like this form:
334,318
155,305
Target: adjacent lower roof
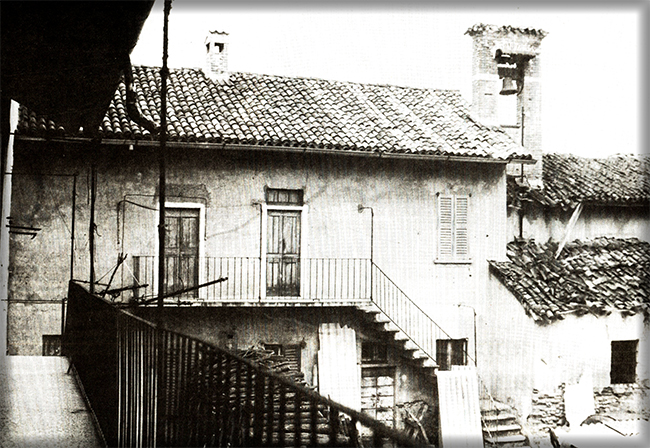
267,110
570,179
596,276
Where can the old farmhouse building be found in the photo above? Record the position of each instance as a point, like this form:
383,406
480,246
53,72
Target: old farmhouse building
364,232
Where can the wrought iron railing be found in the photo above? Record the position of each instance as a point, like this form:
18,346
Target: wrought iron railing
405,314
319,279
322,280
150,386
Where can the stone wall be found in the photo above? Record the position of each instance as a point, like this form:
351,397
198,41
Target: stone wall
623,401
548,408
620,401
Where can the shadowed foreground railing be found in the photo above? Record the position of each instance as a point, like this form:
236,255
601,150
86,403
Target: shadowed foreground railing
155,387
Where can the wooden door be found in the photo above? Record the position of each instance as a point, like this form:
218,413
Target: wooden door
378,393
283,253
181,250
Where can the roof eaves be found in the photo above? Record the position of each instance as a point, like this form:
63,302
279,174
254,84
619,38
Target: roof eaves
296,149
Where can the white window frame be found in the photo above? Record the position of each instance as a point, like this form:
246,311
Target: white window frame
263,240
454,256
186,205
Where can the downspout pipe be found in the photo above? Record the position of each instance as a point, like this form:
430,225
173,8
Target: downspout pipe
131,100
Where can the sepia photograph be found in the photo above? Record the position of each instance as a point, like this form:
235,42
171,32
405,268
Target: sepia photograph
301,224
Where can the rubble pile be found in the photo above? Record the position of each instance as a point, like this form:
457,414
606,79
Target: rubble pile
277,364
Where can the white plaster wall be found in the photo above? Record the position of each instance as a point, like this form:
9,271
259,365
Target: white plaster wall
577,345
402,193
507,344
619,222
516,355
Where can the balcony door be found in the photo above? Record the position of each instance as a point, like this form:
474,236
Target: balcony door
181,250
283,253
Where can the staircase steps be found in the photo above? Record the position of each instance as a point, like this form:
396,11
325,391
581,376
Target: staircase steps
512,440
500,426
385,325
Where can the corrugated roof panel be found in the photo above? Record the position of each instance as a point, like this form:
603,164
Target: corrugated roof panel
338,371
460,413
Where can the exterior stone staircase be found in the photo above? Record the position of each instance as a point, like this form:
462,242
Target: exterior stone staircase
499,421
408,347
500,425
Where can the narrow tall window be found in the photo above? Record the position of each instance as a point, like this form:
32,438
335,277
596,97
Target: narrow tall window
624,359
453,234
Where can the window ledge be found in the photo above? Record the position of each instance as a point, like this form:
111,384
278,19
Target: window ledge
443,261
375,365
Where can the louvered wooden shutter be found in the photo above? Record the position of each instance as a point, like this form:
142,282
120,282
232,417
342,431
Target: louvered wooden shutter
460,227
453,231
445,227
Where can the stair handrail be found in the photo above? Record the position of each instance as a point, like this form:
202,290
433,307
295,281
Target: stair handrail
492,406
484,390
415,305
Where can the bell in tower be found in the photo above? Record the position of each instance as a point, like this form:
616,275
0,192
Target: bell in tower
508,87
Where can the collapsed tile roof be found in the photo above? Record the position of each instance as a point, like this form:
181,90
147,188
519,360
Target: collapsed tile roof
570,179
482,28
596,276
265,110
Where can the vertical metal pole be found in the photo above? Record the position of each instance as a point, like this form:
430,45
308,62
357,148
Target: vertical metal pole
74,208
91,230
361,208
475,349
164,72
372,234
521,172
63,315
372,251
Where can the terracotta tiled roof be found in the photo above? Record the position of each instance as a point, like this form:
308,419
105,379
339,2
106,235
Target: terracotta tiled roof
596,276
569,179
301,112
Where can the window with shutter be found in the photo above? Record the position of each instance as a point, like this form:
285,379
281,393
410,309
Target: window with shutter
453,230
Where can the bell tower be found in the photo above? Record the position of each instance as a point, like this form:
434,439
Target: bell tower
506,86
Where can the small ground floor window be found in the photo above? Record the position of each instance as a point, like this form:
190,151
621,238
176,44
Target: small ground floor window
624,359
51,345
451,352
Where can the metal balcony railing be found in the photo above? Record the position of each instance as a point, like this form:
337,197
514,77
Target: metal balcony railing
150,386
340,281
309,279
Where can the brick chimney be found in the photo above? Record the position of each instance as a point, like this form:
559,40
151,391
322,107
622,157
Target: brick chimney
216,60
506,87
